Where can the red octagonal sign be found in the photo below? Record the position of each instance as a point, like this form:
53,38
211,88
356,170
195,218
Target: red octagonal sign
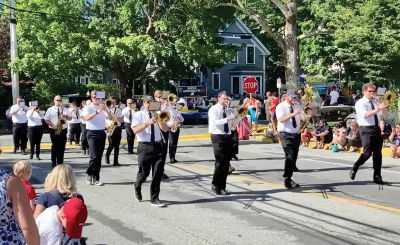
250,85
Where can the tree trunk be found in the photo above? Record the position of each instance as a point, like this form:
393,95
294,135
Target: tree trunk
292,61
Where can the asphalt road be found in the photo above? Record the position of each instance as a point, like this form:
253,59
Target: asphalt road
329,208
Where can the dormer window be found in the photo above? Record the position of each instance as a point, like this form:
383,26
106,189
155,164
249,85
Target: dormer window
250,55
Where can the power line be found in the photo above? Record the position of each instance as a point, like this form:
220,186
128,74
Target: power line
44,13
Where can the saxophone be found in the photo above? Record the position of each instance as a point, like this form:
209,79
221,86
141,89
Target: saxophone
59,126
175,125
114,123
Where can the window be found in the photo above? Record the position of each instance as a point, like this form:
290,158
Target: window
235,60
235,85
250,55
215,81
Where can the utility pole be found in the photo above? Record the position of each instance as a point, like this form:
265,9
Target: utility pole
14,51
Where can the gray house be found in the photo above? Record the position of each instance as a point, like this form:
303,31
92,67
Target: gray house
250,61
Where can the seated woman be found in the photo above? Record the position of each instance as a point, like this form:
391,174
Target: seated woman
353,137
322,134
306,135
394,138
338,138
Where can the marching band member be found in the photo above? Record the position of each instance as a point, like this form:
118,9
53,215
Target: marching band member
20,127
74,124
95,116
84,142
288,128
158,96
219,126
369,113
150,151
114,132
56,117
235,136
35,129
129,112
173,134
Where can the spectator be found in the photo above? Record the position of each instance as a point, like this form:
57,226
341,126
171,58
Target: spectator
254,110
272,108
338,137
334,96
306,135
59,186
267,104
17,225
322,134
394,139
54,219
353,137
23,171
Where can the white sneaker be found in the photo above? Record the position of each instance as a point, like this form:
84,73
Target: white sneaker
98,183
89,180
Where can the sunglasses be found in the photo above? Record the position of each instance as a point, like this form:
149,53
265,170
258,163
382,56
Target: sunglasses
58,100
371,91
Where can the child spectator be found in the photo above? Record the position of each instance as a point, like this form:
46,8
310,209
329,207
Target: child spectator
394,139
353,137
322,134
23,171
306,135
51,222
338,138
59,186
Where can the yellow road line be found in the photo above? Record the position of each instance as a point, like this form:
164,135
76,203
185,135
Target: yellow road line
181,138
200,169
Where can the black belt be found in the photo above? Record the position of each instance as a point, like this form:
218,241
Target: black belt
222,135
15,124
372,127
151,143
290,134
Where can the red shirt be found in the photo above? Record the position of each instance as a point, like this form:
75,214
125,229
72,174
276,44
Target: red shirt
29,190
274,103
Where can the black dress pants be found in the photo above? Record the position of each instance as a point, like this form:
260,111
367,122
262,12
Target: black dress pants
372,142
150,158
173,138
165,145
130,137
223,147
97,142
35,134
113,144
84,144
20,137
235,138
75,132
291,144
58,146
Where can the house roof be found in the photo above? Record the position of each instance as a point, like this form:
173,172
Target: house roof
242,26
246,68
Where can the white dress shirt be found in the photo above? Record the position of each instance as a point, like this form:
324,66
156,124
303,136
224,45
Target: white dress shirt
98,122
34,118
75,115
53,113
117,113
283,109
125,113
174,114
81,115
334,97
216,121
20,117
145,135
362,106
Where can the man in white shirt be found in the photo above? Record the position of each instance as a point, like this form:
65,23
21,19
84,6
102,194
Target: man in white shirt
114,140
74,124
84,142
35,129
334,96
369,113
176,118
129,112
20,127
150,149
219,126
289,134
95,116
57,116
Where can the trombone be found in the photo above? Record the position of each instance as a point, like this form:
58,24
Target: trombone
240,113
162,117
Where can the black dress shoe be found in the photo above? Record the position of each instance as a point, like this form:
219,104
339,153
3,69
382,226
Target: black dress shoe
164,176
231,169
216,190
173,160
24,152
235,157
53,165
15,150
225,193
130,152
352,174
107,160
116,164
296,170
84,152
138,194
290,184
31,157
38,158
378,180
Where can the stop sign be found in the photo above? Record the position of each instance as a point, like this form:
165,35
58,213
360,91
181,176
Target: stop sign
250,85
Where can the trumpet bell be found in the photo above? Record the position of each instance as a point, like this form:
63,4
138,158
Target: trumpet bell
172,98
163,117
242,112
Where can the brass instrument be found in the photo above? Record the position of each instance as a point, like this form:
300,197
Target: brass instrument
114,125
306,116
163,117
175,124
59,126
172,98
390,99
241,112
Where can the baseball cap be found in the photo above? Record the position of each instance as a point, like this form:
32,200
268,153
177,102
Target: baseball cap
147,98
291,93
75,213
